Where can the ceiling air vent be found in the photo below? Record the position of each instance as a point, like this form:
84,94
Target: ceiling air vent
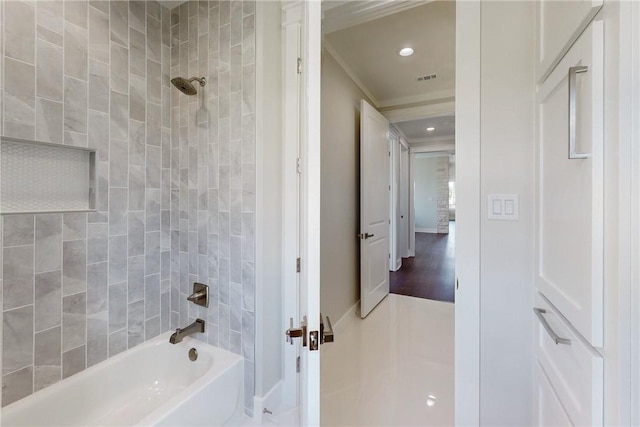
427,77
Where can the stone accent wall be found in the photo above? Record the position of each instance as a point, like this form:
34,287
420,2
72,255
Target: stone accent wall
442,177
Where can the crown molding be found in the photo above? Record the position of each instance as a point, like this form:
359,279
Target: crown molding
432,140
432,148
420,112
338,15
343,64
430,97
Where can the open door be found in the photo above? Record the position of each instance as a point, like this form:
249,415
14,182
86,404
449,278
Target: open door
374,207
301,199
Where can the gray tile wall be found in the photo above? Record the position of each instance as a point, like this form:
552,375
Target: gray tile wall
176,182
81,287
212,174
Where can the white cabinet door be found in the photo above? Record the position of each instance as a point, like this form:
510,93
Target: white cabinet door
574,369
570,186
560,22
550,411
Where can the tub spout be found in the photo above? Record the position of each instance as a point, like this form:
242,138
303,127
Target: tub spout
179,334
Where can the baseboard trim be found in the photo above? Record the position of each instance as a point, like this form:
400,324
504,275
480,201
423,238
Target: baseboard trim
426,230
271,400
352,314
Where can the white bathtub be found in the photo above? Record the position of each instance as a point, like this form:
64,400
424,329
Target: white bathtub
153,384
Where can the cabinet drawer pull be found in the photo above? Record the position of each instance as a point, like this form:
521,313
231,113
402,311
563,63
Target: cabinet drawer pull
539,312
572,113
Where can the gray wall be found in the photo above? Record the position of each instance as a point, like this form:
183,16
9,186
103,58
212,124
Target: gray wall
426,194
507,247
340,179
176,185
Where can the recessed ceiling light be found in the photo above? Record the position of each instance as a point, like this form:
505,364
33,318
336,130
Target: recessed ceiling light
430,129
407,51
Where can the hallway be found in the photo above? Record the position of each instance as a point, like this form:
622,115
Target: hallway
431,273
396,367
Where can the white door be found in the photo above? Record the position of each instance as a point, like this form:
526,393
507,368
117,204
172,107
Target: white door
570,246
374,207
301,194
310,215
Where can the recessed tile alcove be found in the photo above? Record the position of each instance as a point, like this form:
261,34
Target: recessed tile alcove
175,181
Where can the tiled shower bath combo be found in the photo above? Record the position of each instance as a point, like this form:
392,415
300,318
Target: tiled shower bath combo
175,182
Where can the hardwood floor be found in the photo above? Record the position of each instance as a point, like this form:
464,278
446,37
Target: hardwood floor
431,273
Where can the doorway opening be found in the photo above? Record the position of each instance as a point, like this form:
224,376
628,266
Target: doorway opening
368,218
423,212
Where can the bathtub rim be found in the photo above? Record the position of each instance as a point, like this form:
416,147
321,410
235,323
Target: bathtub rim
160,412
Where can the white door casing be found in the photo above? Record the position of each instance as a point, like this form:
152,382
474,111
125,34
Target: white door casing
405,190
395,236
374,207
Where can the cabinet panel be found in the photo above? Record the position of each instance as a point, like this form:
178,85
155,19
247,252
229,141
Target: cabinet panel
573,367
570,187
560,22
550,411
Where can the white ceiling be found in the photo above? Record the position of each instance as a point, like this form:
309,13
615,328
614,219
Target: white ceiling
416,130
369,53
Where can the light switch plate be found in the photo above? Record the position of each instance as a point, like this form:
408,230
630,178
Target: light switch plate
503,207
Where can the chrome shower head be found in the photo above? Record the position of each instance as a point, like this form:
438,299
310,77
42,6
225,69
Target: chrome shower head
185,86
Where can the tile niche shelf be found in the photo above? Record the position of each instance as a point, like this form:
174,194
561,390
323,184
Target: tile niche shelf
40,177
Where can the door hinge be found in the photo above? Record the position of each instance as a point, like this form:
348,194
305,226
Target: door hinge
389,188
389,256
298,265
299,165
298,364
299,69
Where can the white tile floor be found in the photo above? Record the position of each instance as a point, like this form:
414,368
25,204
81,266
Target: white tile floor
396,367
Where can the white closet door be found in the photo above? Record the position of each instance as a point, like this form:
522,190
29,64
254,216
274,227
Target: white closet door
570,186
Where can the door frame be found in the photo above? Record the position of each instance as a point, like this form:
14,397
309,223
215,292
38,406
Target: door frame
395,261
435,148
467,108
435,153
406,171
